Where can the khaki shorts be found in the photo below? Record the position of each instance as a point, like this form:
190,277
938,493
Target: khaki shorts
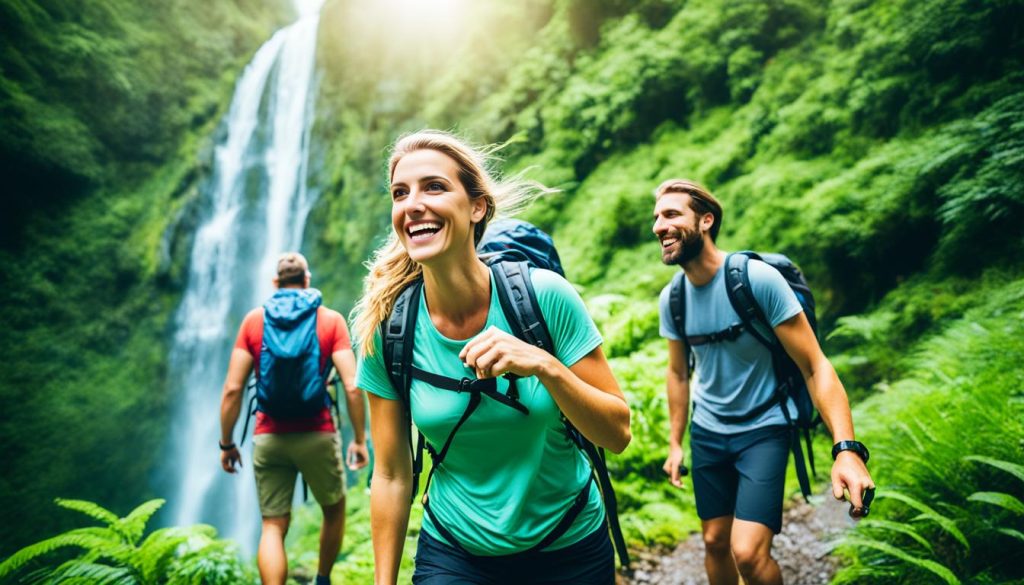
278,458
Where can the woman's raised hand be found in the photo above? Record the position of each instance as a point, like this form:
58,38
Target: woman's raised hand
494,353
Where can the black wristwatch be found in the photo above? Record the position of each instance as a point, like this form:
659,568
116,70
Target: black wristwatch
855,446
231,446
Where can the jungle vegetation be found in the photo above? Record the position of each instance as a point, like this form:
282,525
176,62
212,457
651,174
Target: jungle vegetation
880,144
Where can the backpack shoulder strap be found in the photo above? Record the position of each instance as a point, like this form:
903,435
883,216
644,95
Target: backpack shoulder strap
519,303
742,299
677,303
397,335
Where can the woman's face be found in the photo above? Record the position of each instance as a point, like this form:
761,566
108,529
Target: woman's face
430,209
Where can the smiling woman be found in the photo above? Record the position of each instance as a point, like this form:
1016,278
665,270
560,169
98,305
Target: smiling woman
509,498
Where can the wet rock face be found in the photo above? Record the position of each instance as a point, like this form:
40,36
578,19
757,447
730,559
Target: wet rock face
801,549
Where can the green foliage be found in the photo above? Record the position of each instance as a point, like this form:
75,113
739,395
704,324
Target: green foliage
940,513
108,107
877,143
88,83
116,554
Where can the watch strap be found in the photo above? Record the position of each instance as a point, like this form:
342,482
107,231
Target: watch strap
855,446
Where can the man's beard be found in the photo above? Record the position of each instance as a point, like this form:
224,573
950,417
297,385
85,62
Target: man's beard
691,242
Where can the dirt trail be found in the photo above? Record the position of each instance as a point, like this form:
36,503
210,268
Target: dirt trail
801,549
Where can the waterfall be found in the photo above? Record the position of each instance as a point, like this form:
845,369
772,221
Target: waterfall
255,207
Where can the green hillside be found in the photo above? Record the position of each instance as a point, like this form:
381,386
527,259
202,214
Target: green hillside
109,109
879,144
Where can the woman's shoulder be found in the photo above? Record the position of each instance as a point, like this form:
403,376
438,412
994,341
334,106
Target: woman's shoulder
549,282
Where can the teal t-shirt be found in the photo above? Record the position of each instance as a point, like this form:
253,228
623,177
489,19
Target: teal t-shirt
508,478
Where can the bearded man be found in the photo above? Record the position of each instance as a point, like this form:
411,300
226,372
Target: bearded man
740,435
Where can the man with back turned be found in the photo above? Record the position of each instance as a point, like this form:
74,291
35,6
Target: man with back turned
291,342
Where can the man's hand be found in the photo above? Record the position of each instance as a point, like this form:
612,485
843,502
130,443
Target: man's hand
229,458
357,455
850,474
673,465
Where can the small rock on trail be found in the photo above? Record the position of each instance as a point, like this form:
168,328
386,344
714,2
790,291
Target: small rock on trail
801,549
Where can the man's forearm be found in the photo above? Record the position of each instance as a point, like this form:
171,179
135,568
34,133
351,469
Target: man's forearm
230,407
831,400
678,394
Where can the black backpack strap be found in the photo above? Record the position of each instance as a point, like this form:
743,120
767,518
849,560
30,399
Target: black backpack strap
397,334
336,382
611,505
487,387
677,308
250,410
741,296
519,303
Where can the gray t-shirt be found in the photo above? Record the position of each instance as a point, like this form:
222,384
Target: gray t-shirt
732,377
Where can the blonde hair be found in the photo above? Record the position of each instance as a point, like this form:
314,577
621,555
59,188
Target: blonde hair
390,268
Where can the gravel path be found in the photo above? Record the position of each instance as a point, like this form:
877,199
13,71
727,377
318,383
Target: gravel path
801,549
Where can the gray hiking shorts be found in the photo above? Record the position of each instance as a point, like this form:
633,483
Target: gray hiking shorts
741,475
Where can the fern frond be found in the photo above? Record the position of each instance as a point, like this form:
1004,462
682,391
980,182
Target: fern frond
90,538
899,527
1011,468
212,563
89,509
93,573
133,525
1011,533
1000,499
931,566
157,551
858,574
928,513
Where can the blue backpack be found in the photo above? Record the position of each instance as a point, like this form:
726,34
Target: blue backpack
510,247
289,381
791,384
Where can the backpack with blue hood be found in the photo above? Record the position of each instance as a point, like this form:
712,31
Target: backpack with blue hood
290,383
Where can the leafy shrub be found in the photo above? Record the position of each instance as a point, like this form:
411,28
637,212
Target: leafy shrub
942,516
116,553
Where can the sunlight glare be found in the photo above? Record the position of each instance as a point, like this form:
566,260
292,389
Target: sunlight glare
426,12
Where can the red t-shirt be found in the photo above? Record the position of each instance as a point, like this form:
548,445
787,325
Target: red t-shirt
332,333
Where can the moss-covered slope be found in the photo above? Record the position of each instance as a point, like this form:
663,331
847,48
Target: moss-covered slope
107,107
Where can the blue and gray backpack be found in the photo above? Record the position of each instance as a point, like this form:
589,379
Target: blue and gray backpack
510,247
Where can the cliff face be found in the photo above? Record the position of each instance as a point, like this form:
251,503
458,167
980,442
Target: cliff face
107,108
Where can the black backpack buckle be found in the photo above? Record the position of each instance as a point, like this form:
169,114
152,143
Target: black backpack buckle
465,385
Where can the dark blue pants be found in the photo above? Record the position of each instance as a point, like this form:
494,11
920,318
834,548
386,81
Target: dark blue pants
590,561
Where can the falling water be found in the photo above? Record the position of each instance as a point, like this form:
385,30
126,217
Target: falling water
256,208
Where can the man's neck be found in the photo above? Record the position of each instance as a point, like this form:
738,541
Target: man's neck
704,267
